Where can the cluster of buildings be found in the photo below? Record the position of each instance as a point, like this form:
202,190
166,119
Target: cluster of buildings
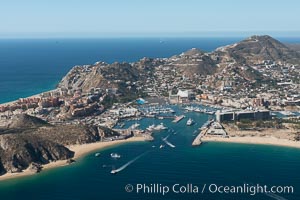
31,102
240,115
166,78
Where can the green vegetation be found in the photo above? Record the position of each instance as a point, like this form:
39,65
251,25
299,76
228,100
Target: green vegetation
295,123
291,121
259,124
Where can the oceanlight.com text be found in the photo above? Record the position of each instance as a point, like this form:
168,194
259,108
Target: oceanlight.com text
189,188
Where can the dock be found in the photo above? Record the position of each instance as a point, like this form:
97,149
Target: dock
197,141
178,118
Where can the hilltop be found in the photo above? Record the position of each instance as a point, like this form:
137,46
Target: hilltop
256,49
238,59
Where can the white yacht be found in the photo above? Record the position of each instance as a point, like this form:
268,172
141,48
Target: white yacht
160,127
134,126
151,127
190,122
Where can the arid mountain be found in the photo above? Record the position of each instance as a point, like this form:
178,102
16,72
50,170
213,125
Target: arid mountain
295,47
31,140
192,62
256,49
103,75
24,121
237,58
18,151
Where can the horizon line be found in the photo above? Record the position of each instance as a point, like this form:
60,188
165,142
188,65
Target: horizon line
203,34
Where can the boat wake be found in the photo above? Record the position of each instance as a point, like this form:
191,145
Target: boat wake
114,171
275,196
167,142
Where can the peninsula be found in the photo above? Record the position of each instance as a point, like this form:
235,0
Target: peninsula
258,74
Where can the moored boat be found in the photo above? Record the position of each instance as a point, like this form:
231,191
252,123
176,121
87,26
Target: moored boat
151,127
160,127
134,126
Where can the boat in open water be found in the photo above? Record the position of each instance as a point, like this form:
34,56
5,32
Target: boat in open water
115,155
190,122
97,154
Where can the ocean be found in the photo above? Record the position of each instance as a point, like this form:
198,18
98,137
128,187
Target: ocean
32,66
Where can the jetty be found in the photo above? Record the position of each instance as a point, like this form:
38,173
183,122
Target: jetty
197,141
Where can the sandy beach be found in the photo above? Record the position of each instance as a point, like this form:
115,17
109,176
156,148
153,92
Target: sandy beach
269,136
80,150
255,140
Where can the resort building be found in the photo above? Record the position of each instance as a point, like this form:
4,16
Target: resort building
237,116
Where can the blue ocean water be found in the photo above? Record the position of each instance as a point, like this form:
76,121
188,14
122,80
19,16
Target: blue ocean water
31,66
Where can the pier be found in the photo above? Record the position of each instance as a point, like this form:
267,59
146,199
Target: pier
178,118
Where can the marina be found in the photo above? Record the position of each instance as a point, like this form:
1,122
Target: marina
165,151
197,108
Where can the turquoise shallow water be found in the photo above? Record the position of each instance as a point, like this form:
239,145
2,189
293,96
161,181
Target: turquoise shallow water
211,163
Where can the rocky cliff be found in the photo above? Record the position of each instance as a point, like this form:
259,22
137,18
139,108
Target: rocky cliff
18,151
29,140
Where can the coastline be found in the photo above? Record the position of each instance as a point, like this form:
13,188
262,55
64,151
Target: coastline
31,96
255,140
80,151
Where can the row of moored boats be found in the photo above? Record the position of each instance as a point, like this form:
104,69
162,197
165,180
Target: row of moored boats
197,109
158,127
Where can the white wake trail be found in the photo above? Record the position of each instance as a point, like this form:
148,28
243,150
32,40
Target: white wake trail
128,163
167,142
275,196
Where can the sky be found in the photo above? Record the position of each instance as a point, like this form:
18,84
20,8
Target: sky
117,18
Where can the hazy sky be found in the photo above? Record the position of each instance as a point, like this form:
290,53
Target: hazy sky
96,18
